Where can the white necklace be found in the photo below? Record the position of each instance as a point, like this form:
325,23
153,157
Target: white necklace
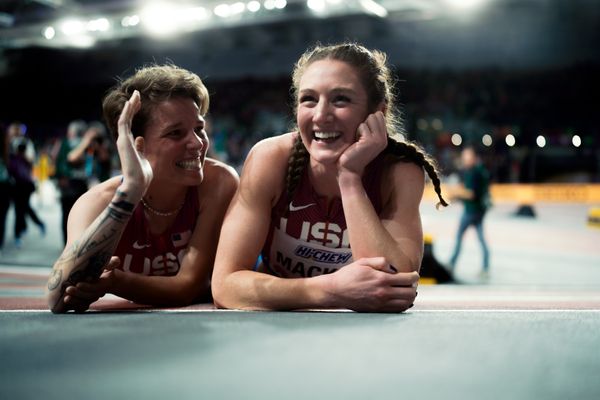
161,213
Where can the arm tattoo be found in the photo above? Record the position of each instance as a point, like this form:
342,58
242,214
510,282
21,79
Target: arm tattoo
116,214
96,246
123,205
91,242
90,272
55,279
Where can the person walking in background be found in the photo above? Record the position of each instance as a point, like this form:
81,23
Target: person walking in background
17,135
149,235
20,169
474,194
70,170
332,207
5,184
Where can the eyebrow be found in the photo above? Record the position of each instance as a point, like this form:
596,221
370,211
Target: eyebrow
200,121
334,90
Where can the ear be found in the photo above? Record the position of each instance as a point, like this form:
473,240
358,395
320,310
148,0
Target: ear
382,107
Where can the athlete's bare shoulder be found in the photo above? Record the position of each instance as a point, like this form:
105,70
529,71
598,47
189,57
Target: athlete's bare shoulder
276,146
220,180
218,170
266,167
101,193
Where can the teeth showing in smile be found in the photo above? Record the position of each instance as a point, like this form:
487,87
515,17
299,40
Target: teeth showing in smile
327,135
189,164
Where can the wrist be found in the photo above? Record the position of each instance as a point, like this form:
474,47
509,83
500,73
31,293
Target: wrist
349,182
129,192
324,293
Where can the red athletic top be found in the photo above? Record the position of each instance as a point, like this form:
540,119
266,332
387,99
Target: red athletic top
144,253
307,236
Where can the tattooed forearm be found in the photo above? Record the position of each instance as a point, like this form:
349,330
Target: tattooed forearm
90,272
123,205
55,279
117,215
98,237
85,259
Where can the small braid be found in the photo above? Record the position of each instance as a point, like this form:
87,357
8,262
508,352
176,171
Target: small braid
296,164
411,152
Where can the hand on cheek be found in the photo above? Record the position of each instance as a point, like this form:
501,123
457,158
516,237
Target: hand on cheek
371,139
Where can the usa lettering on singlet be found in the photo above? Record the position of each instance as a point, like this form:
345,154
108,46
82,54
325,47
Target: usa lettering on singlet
308,235
302,257
156,258
145,253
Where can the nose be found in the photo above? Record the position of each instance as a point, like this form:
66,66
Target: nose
197,142
322,112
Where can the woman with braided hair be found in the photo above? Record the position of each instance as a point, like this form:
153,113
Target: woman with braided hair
333,207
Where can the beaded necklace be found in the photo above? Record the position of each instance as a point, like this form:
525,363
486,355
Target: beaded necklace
161,213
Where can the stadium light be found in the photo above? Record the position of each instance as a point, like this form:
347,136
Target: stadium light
540,141
374,8
253,6
465,5
269,4
130,20
237,8
510,140
49,32
72,27
159,19
456,139
280,4
576,140
316,5
98,25
487,140
199,13
437,124
222,10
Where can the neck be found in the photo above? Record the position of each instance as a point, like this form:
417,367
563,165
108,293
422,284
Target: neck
165,200
323,178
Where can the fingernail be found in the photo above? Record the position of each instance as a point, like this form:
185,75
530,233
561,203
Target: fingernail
393,268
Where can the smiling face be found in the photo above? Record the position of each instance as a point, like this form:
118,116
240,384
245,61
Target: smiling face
332,103
176,142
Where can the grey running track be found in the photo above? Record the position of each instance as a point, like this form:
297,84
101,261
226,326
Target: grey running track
529,332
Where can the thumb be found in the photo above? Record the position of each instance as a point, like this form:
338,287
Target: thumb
380,264
113,263
139,144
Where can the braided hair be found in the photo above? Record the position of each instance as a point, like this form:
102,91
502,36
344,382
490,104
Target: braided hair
377,80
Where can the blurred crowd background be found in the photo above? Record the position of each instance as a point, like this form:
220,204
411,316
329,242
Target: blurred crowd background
518,78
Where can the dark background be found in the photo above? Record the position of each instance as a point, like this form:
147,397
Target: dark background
527,67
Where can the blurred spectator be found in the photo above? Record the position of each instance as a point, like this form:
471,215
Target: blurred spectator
98,154
17,135
20,169
5,184
475,197
70,167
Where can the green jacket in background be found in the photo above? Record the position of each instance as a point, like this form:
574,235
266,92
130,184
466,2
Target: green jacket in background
477,179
